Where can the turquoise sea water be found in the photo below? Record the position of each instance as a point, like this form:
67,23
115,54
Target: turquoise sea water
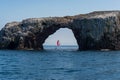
65,63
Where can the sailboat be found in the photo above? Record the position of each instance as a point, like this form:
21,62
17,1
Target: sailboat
58,43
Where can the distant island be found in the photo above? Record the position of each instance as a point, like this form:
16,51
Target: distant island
93,31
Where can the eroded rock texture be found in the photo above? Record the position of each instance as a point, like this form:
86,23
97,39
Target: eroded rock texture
93,31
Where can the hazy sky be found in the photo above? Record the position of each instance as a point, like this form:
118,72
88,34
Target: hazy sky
17,10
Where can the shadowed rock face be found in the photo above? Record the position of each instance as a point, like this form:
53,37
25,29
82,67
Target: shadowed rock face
93,31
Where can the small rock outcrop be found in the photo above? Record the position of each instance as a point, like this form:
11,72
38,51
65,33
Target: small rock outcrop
93,31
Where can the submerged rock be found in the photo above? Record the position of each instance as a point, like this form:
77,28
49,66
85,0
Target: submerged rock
93,31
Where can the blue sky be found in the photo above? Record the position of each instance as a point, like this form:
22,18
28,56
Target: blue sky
17,10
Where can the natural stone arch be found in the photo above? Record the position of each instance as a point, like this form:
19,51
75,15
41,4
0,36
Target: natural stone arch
31,33
93,31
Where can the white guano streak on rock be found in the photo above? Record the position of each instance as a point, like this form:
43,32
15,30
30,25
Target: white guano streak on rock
105,15
9,25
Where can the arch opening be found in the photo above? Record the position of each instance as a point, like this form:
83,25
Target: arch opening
66,38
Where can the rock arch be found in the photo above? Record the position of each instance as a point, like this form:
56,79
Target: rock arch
31,33
93,31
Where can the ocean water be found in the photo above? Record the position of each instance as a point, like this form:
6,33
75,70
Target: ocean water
65,63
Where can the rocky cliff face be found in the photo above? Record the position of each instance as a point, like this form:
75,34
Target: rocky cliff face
93,31
98,30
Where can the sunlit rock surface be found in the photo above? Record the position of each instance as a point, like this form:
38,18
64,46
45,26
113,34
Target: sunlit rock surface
93,31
